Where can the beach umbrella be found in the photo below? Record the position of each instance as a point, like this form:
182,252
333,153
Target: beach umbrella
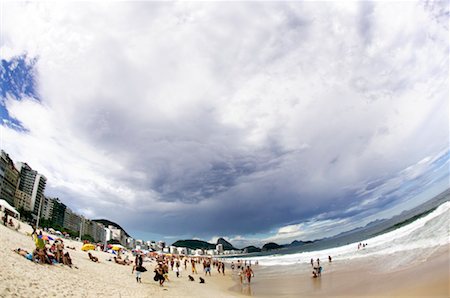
45,237
116,248
88,246
39,242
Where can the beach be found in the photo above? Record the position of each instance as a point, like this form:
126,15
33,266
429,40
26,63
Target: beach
22,278
378,276
354,278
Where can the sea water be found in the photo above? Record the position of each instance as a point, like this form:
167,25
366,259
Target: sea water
408,244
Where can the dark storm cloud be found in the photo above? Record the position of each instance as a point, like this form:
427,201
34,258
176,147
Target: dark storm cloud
209,119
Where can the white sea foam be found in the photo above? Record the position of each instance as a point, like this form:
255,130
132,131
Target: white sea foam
412,242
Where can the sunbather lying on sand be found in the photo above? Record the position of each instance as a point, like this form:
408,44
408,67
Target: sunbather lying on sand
120,261
92,258
21,252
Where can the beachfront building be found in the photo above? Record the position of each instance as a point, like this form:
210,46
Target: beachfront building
9,178
94,229
131,242
72,221
211,252
31,186
183,250
152,245
58,212
22,200
117,234
161,245
219,248
108,234
233,252
140,243
47,208
199,252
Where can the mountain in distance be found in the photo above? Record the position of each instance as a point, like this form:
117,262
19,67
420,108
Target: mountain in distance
298,243
194,244
199,244
226,245
251,249
107,223
270,246
371,229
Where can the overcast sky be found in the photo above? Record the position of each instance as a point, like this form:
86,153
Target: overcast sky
254,121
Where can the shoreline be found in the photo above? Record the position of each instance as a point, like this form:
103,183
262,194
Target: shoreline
356,278
378,276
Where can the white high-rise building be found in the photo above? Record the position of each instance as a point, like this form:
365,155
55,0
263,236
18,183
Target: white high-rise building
219,248
32,184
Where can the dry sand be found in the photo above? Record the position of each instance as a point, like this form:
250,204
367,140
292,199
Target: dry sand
20,277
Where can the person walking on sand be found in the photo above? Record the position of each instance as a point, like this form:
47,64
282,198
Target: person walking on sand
241,275
312,263
223,268
194,271
329,259
249,274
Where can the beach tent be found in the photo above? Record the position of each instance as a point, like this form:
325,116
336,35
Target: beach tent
7,208
88,246
116,247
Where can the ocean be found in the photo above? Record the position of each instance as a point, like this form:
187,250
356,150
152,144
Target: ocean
407,242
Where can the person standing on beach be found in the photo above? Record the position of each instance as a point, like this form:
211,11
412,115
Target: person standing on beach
318,262
241,275
194,271
208,268
249,274
312,262
329,259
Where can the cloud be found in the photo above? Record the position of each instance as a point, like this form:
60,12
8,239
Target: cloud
210,119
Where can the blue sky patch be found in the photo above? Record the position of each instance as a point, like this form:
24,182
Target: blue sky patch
17,80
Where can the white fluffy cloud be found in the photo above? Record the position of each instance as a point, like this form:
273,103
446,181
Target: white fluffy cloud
266,112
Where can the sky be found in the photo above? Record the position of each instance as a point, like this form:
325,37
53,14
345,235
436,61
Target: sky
257,122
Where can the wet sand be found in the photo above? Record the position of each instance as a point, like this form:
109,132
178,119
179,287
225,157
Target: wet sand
354,278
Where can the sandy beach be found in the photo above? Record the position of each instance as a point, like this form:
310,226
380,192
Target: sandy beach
355,278
22,278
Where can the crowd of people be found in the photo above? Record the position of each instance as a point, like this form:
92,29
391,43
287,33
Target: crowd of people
47,250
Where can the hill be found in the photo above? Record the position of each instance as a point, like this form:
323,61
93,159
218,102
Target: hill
250,249
270,246
194,244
